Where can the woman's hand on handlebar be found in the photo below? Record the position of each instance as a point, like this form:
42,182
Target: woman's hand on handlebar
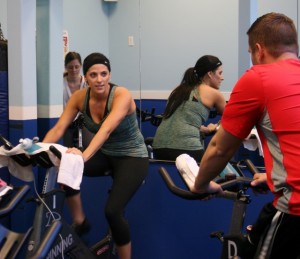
212,189
74,150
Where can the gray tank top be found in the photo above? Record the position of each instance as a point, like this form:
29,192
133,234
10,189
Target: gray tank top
182,129
126,139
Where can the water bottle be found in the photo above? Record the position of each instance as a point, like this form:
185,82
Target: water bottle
29,145
229,172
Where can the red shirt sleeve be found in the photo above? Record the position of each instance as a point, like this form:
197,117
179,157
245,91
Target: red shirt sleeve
245,106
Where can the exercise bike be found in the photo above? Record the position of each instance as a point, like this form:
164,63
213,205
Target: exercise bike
50,205
235,188
11,242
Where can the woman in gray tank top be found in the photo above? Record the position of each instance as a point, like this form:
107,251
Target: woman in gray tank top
117,145
188,109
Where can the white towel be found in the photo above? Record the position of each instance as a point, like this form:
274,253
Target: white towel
71,170
45,147
188,168
70,165
253,144
25,173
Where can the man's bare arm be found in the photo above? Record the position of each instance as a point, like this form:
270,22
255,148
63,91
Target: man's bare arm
218,153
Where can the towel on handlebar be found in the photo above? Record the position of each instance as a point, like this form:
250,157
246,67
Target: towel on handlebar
188,168
46,147
70,165
23,173
71,170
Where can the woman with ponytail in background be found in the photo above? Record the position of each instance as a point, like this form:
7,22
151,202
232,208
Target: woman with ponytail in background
187,110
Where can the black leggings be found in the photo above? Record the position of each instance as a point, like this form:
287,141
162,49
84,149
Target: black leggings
128,174
172,154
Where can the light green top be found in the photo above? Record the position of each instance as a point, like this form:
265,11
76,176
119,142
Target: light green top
182,129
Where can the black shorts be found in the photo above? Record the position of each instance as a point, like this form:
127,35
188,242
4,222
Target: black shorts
276,234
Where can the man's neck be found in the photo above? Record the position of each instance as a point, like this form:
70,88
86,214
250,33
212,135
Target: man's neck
286,55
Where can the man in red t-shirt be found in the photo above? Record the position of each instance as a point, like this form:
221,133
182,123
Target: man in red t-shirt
267,96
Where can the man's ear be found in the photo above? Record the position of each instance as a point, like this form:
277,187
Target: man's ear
260,52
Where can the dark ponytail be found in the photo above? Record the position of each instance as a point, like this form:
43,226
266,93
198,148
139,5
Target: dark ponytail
182,92
192,77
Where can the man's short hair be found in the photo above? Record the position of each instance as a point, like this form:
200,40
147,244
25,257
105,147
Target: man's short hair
274,31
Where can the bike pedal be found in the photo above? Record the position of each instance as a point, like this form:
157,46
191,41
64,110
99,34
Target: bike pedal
217,234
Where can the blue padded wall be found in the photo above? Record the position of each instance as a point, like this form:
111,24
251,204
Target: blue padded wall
163,225
3,98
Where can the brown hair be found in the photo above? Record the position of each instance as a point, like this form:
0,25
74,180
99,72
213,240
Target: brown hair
274,31
72,55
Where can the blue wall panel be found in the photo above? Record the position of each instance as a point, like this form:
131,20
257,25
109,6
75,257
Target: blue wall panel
4,174
162,225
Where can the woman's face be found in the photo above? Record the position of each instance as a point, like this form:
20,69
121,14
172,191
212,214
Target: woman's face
216,78
73,67
98,77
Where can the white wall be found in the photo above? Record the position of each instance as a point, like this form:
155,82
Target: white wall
288,7
169,36
173,34
87,25
3,16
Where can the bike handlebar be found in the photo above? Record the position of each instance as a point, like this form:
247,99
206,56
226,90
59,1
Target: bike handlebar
251,167
21,191
55,151
42,159
21,159
241,182
232,188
